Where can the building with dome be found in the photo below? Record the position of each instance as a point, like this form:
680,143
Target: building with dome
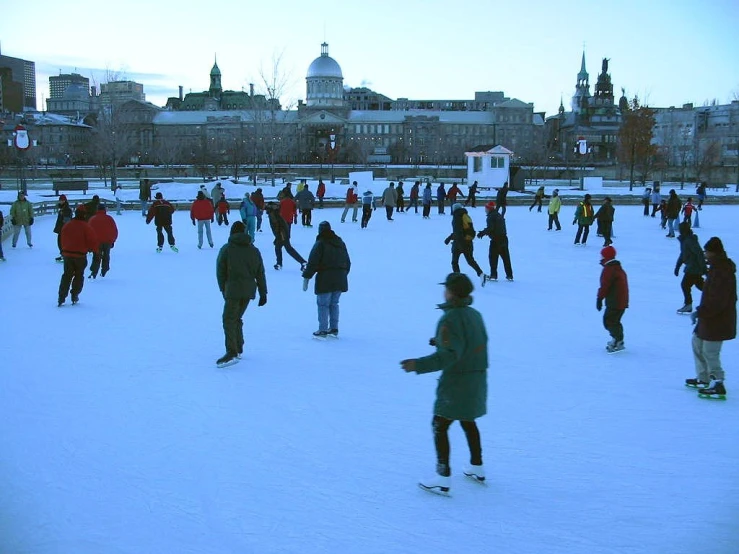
324,82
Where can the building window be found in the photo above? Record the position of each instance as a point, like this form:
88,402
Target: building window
477,164
497,162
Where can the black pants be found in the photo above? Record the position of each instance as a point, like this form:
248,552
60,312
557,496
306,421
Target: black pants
612,323
654,209
222,218
606,228
74,275
537,202
646,206
441,426
233,325
582,231
467,252
366,215
389,212
59,242
427,210
499,249
440,203
279,245
401,204
160,235
306,216
554,219
690,280
413,203
102,256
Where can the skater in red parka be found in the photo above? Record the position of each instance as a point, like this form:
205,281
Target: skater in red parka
614,289
106,232
78,239
288,210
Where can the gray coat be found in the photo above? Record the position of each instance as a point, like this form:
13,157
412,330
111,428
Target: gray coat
305,199
390,197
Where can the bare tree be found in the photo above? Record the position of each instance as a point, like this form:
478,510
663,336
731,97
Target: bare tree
706,157
635,140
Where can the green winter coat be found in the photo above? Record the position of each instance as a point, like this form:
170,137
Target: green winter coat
462,357
21,212
554,205
239,269
584,214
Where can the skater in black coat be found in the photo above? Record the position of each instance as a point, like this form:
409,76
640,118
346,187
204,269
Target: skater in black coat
496,230
463,233
281,231
63,216
604,217
501,198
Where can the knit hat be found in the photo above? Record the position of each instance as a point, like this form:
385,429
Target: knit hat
608,254
588,197
458,284
714,245
158,196
490,205
555,192
324,226
456,206
238,227
101,207
201,195
62,198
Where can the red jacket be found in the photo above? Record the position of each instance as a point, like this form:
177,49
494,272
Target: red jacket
321,190
258,199
202,210
351,196
105,228
614,286
78,238
223,207
288,209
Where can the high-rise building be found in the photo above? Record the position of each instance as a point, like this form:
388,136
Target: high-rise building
116,93
24,73
58,83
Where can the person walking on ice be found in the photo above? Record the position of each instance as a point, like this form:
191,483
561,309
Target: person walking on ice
240,276
248,211
614,289
202,214
351,202
21,217
715,321
461,343
78,238
555,205
584,216
369,205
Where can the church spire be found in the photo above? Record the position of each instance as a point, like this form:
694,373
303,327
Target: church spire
215,80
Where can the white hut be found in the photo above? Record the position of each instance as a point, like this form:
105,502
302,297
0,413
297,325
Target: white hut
488,165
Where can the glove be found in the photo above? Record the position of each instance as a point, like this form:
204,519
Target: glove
677,271
447,241
212,220
599,304
694,317
408,365
193,223
12,221
480,234
305,283
574,222
432,342
31,222
262,300
112,245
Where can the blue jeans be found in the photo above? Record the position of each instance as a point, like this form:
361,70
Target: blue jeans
117,206
671,227
328,310
204,223
144,206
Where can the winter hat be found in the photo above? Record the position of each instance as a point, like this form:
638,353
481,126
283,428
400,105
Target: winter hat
96,197
80,210
101,207
458,284
62,198
456,206
684,228
715,245
238,227
324,226
608,254
555,192
588,197
201,195
490,205
158,196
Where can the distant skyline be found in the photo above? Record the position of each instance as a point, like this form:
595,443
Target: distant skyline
667,52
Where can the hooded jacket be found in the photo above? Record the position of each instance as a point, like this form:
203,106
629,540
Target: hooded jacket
717,310
161,212
305,199
691,254
105,228
329,262
21,212
239,269
248,208
78,238
555,204
614,286
463,231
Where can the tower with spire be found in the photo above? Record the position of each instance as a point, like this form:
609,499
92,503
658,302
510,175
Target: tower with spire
215,89
581,98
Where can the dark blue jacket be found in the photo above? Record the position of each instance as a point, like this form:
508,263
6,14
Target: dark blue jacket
441,193
329,262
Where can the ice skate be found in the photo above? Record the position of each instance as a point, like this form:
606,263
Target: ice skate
333,334
226,360
491,278
303,266
615,346
320,335
437,484
686,309
174,248
509,278
59,259
75,299
159,249
714,391
476,473
483,279
278,267
695,383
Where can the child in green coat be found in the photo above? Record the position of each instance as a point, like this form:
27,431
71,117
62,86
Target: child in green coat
461,395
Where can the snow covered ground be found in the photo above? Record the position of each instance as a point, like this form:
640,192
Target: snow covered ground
119,435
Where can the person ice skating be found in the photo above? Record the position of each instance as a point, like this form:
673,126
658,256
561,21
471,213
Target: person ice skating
202,214
21,217
584,218
471,196
369,205
320,193
496,230
389,200
64,215
144,196
400,201
206,192
463,233
281,230
700,192
161,213
248,211
427,201
461,343
306,201
440,197
673,212
91,207
656,200
118,199
240,275
555,205
258,198
2,222
604,216
645,197
453,193
78,238
691,255
688,210
715,320
538,199
501,199
614,289
106,232
223,208
216,194
329,262
351,202
285,192
413,197
662,209
288,211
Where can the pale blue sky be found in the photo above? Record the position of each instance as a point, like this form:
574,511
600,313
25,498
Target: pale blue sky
670,52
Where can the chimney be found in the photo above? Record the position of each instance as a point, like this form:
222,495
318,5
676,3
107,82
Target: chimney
251,89
181,87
